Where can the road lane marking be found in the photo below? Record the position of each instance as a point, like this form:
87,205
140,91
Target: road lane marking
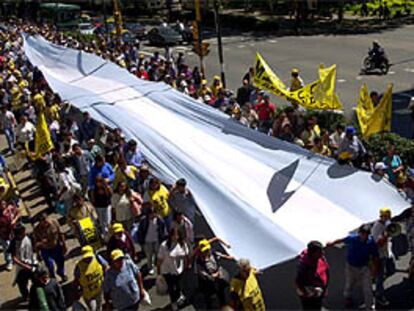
240,46
341,80
409,70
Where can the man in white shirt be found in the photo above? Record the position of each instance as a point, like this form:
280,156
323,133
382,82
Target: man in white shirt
380,236
25,131
8,124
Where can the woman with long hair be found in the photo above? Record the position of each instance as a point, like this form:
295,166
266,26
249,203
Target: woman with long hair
173,259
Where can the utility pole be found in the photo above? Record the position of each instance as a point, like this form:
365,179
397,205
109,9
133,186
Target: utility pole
217,5
105,17
197,35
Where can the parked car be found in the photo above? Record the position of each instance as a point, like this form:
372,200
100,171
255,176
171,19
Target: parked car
163,36
86,28
137,30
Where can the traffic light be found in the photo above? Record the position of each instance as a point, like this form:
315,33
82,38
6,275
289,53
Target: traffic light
205,48
202,50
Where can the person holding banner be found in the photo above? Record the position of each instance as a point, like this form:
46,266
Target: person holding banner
266,111
296,82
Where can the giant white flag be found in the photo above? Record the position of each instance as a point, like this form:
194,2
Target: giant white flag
268,198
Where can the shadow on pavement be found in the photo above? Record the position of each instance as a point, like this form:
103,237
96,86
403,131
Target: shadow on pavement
402,122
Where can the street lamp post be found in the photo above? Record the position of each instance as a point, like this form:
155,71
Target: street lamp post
219,42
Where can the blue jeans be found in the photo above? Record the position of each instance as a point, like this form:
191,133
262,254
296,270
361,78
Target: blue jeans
9,132
7,256
54,255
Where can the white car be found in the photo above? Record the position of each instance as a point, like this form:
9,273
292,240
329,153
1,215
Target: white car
86,28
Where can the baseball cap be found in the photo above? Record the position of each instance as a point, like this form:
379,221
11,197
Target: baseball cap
295,70
117,227
385,210
87,251
204,245
350,130
117,254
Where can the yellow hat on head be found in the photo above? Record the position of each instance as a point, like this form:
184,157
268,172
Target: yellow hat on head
203,82
295,70
117,254
204,245
117,228
216,78
87,251
385,210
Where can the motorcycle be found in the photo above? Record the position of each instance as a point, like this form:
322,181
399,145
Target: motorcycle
370,64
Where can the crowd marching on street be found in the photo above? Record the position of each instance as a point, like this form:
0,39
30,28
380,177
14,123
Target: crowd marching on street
96,174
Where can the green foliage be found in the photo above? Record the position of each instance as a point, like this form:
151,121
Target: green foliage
328,119
379,143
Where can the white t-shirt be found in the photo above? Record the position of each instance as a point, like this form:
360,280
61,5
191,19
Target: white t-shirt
122,207
173,258
7,119
378,231
25,132
152,233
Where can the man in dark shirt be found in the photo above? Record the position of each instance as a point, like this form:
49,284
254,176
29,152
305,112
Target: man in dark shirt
244,92
46,291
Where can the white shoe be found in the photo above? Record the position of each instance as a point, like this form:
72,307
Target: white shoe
9,267
151,272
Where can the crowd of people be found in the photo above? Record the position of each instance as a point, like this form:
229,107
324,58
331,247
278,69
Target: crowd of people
96,173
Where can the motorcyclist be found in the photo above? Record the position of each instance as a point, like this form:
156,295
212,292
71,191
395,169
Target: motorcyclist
377,54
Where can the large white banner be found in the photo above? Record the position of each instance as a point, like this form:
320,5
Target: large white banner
266,197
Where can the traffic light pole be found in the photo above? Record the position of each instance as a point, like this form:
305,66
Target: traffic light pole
199,39
219,42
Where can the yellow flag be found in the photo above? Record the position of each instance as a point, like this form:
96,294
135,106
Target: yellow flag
266,79
42,140
372,119
319,94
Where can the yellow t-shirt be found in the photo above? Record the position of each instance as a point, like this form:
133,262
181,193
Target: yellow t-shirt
91,278
53,112
159,200
248,292
39,102
130,174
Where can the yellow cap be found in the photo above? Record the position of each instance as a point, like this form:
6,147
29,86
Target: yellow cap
204,245
203,82
117,227
385,210
295,70
117,254
87,251
216,78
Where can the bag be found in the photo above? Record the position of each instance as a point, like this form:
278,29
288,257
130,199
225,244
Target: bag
146,300
60,208
161,286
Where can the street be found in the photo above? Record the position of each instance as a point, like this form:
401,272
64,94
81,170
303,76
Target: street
307,52
282,54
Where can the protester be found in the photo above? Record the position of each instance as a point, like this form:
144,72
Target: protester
394,165
361,250
297,82
88,277
213,279
172,260
126,204
7,125
101,197
123,286
121,239
245,292
46,293
184,227
9,217
102,168
351,148
21,249
151,233
158,195
51,243
312,277
380,235
181,200
79,210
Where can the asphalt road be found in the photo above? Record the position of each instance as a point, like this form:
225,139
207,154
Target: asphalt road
308,52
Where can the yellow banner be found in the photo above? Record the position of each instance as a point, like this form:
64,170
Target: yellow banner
372,119
319,94
266,79
42,140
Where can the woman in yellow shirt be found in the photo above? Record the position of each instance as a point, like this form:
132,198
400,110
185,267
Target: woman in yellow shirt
126,173
245,289
158,196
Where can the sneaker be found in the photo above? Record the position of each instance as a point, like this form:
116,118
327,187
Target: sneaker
382,301
151,272
181,300
9,267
